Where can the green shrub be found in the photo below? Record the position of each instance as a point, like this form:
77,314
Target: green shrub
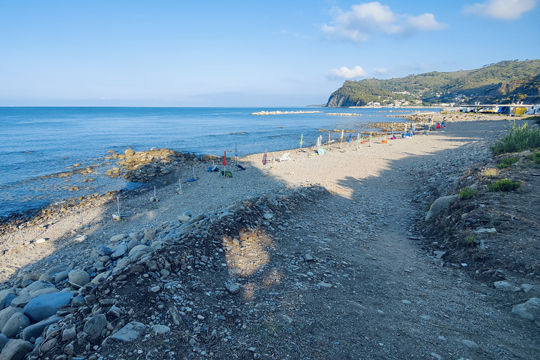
535,157
467,193
470,239
505,163
518,138
504,185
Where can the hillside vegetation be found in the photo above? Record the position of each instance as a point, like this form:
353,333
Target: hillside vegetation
494,83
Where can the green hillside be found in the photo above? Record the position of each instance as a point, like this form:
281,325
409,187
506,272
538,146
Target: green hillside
494,83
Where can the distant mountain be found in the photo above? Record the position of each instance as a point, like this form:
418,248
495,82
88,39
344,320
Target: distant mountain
494,83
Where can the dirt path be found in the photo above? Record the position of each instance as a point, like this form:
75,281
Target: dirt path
388,299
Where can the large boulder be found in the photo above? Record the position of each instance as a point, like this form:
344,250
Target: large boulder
15,324
16,350
440,206
46,305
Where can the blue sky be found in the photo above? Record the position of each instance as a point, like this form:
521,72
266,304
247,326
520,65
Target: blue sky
243,53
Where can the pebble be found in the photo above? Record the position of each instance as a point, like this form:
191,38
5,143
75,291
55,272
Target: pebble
470,344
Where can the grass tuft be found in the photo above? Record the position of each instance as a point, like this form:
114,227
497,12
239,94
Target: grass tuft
517,139
507,162
467,193
504,185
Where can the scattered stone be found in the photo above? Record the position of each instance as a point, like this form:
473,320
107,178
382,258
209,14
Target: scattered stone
61,276
150,234
183,218
155,289
35,330
6,296
439,254
16,350
79,277
308,257
324,285
485,231
470,344
3,341
160,329
506,286
130,332
118,237
440,205
7,313
95,326
69,333
529,310
15,325
41,241
233,288
119,251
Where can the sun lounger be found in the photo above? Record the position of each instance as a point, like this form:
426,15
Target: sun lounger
285,157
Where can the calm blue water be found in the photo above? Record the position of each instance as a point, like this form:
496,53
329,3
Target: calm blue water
38,141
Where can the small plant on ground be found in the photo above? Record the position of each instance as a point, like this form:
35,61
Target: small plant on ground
535,157
504,185
467,193
470,239
518,138
507,162
428,207
491,172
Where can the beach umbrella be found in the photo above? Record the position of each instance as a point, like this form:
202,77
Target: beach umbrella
350,138
342,131
329,137
225,158
265,158
301,140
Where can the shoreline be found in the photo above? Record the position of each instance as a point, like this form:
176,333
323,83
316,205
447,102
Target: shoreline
20,216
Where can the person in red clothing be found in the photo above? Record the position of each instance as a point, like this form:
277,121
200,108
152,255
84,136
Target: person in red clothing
438,126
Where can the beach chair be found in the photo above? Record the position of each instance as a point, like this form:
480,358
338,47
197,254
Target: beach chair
285,157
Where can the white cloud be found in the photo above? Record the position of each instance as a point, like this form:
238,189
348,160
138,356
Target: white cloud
500,9
346,73
380,70
368,18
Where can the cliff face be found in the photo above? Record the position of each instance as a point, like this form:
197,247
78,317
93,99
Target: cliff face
340,100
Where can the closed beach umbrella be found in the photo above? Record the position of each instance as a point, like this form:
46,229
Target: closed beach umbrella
350,138
264,158
224,158
342,131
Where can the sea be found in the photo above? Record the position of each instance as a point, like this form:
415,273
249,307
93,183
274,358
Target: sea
40,141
